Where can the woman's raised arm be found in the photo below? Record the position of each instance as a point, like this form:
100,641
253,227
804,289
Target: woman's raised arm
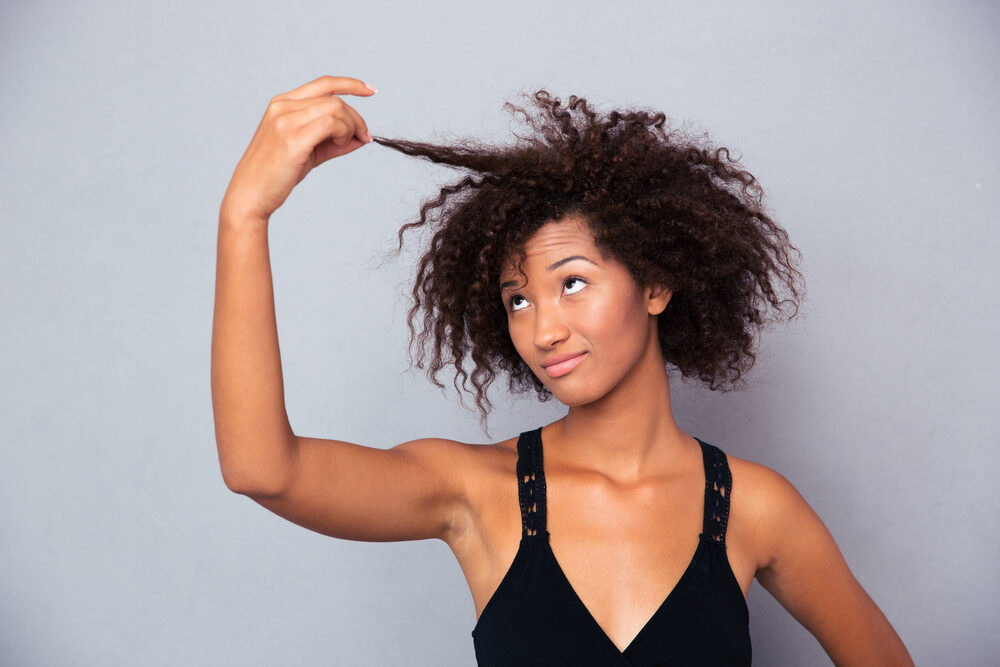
334,487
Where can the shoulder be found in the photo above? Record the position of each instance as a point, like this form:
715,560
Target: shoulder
474,472
445,449
763,485
462,461
770,507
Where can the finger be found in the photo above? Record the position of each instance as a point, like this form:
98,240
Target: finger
330,129
301,112
329,137
360,126
328,150
328,85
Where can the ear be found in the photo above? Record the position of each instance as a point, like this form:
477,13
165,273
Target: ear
657,297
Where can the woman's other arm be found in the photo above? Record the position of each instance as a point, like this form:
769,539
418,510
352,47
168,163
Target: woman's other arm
801,565
334,487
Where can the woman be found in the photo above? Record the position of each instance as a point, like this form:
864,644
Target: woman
580,262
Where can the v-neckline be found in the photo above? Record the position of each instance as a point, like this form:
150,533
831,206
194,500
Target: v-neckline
583,607
623,653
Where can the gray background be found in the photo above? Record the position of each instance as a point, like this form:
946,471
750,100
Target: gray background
871,126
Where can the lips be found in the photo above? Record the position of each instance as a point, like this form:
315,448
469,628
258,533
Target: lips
559,358
562,363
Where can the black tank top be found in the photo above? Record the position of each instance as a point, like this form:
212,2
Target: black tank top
536,618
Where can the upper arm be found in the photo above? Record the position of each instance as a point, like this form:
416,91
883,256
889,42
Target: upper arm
804,569
412,491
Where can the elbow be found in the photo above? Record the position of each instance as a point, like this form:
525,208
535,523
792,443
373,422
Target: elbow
236,482
253,483
257,469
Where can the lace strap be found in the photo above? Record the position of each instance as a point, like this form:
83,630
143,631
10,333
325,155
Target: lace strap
531,482
718,485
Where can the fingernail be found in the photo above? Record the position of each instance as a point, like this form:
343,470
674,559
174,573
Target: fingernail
369,136
371,88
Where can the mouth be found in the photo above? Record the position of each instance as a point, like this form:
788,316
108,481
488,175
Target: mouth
565,366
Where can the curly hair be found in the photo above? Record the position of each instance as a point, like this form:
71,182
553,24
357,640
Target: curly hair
675,209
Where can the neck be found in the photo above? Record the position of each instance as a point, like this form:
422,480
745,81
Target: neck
629,431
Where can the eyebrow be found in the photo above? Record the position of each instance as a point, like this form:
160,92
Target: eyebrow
551,267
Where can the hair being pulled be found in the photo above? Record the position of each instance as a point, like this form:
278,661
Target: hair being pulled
675,209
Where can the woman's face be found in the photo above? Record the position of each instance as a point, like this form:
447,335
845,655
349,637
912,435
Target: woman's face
579,309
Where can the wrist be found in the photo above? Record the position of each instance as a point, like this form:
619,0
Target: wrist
238,218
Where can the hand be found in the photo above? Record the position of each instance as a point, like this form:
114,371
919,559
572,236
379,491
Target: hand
301,129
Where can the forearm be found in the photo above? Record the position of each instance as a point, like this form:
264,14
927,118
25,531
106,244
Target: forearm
877,645
252,432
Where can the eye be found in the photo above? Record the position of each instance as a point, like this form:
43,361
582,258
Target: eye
574,279
512,302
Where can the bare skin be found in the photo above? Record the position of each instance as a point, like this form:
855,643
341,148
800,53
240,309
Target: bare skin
625,485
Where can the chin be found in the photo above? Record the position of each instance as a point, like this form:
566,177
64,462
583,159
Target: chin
576,396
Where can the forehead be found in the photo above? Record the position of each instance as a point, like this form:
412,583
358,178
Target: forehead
564,237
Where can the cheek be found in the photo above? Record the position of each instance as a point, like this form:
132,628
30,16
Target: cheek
619,330
612,320
517,337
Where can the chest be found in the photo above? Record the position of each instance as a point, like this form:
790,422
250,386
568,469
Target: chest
623,551
617,552
627,577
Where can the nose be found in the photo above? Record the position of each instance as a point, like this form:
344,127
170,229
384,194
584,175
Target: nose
550,328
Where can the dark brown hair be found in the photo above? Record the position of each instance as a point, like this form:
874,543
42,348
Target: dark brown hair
673,208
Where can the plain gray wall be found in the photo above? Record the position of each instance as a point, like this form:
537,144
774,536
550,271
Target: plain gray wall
872,127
